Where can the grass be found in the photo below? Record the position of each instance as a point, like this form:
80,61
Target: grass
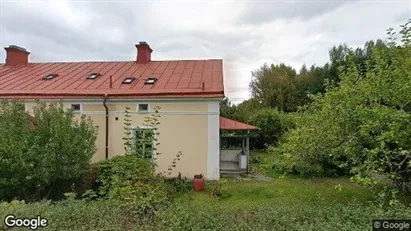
261,162
282,191
284,203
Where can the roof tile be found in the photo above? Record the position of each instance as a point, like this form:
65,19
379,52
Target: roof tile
175,78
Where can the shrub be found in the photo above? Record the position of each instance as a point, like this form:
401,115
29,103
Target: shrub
87,180
42,155
272,124
320,216
179,184
76,214
130,179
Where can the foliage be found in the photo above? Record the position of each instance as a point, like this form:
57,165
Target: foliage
240,112
128,138
281,87
153,122
77,214
273,86
86,181
173,164
215,188
272,124
42,154
106,215
319,216
130,179
282,204
179,184
362,126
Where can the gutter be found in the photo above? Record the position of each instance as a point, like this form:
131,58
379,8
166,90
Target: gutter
105,106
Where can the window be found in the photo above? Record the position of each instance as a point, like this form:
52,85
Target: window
143,107
150,81
76,107
50,76
143,142
93,76
128,80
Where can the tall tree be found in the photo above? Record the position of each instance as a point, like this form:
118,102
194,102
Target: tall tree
274,87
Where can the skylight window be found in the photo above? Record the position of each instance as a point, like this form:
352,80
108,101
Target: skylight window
50,76
150,81
93,76
128,80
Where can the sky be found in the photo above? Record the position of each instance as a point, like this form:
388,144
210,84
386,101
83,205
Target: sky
245,34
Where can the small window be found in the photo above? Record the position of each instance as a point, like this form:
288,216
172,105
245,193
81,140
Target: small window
150,81
143,107
128,80
75,107
50,76
93,76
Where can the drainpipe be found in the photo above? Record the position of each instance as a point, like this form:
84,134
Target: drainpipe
105,106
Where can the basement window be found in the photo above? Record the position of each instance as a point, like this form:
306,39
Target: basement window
142,107
50,76
128,80
93,76
150,81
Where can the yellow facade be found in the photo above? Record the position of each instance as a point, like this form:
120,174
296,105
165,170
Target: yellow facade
186,126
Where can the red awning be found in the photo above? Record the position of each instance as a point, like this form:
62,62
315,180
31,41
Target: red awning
228,124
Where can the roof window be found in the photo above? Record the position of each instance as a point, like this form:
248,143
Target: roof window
93,76
50,76
150,81
128,80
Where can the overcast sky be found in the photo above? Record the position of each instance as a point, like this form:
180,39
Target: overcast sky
244,34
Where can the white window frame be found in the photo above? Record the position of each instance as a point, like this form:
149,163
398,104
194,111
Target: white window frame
79,111
143,112
153,155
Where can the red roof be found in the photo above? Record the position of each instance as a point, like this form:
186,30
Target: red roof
228,124
188,78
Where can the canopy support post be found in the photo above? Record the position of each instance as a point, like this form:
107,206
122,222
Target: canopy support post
248,150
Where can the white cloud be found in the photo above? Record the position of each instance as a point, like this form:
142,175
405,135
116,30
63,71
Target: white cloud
244,34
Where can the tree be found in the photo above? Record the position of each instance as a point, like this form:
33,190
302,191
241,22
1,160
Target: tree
274,87
43,154
272,125
362,126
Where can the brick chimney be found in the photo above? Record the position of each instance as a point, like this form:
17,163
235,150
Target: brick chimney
143,53
16,55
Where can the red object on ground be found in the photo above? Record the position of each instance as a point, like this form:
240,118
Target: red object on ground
198,184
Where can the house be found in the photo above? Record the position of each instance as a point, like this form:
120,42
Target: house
187,91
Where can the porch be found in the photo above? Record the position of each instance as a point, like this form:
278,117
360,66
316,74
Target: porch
234,146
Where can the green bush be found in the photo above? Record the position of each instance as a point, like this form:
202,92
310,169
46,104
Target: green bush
179,184
87,180
320,216
76,214
362,126
130,179
42,154
108,215
272,124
